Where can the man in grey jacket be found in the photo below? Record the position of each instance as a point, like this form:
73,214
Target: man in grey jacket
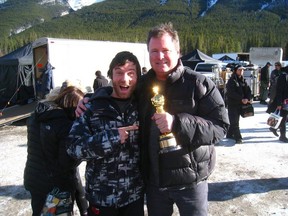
100,81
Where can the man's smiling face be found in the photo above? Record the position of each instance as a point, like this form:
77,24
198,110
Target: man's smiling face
124,80
163,54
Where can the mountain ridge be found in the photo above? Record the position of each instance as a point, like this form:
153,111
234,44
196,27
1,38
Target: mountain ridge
227,26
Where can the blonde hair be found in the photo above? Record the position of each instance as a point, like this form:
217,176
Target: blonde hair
69,97
53,94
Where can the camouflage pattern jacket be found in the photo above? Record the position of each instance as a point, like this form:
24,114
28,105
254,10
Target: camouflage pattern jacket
112,175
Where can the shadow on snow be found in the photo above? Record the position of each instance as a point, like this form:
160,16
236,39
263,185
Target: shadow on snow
15,191
223,191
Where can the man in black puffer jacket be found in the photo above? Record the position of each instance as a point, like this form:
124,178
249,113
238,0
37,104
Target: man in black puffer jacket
196,116
194,113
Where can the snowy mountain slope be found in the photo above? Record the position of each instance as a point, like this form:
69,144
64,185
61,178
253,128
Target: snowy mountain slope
78,4
88,19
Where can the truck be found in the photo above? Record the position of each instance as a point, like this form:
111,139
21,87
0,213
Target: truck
261,55
215,71
251,75
73,60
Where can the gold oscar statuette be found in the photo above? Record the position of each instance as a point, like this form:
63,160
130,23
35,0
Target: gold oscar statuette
166,140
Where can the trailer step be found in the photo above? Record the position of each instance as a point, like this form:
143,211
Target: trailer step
16,113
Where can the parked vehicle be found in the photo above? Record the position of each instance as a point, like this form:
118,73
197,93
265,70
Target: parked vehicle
251,74
215,71
261,55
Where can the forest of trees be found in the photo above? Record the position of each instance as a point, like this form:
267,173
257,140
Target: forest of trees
220,30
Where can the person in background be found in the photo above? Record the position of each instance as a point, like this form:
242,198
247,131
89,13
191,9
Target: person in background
264,83
99,81
46,79
273,81
107,137
48,164
272,105
65,84
238,93
281,95
194,113
144,70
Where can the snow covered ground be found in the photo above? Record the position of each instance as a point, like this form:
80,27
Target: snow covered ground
249,179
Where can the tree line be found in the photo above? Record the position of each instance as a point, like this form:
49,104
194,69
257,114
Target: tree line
221,30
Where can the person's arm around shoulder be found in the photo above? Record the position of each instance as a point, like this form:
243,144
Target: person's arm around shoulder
81,108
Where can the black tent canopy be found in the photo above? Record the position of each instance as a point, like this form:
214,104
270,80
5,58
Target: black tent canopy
16,75
191,59
226,58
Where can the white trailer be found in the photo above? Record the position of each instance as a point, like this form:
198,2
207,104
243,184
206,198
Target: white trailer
73,60
261,55
77,60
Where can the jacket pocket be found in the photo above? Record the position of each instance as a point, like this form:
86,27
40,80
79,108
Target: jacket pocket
176,170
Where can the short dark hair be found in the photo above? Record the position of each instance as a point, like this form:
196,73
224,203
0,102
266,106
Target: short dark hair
98,73
160,30
120,59
278,64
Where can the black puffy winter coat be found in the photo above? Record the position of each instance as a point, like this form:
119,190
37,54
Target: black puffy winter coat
282,89
236,90
48,165
200,121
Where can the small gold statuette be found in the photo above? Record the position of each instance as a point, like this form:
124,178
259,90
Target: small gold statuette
158,100
166,140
